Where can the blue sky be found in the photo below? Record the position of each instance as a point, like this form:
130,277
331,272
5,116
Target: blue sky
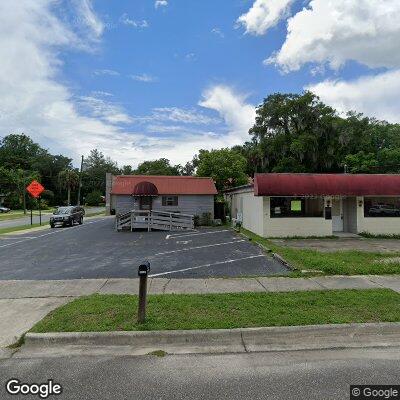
146,79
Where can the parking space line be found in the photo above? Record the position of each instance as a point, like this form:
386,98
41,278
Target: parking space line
50,233
204,266
175,236
16,237
197,247
171,236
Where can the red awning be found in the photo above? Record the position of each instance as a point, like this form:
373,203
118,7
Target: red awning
145,189
326,184
174,185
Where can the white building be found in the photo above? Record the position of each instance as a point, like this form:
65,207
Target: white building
287,205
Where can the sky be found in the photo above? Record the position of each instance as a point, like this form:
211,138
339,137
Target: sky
145,79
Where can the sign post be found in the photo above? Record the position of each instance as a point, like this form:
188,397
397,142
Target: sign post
35,189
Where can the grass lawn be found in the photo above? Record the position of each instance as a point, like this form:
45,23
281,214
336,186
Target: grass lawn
94,214
17,214
97,313
348,262
20,228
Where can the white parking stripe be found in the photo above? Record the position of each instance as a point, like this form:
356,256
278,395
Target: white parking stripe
175,236
50,233
170,236
204,266
197,247
16,237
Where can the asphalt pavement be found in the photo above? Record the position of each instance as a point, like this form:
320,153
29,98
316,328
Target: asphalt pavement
311,375
96,250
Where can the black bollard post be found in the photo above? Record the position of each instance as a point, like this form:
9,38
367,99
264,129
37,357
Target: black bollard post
144,269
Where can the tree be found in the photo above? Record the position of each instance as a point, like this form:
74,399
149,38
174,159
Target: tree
19,152
227,167
361,163
127,170
96,167
68,179
389,160
161,166
188,169
299,133
294,130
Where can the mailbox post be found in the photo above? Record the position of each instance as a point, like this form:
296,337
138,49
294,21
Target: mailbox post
143,272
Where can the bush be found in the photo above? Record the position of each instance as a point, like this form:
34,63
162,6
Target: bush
94,198
206,219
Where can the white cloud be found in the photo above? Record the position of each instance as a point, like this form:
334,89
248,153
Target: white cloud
190,56
36,100
104,110
144,78
132,22
101,93
264,14
218,32
335,31
33,101
176,114
238,115
89,18
160,3
110,72
375,96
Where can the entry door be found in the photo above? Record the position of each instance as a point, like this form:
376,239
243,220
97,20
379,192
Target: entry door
337,215
145,203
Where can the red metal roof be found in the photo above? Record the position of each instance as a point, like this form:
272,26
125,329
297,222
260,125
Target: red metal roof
125,184
326,184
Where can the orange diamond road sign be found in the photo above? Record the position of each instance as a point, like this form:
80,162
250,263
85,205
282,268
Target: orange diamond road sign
35,189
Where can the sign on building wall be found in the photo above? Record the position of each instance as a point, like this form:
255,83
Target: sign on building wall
295,205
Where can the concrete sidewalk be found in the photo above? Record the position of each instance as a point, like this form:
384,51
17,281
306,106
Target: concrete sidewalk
23,303
81,287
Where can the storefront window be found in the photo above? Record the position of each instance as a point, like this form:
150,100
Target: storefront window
292,207
381,207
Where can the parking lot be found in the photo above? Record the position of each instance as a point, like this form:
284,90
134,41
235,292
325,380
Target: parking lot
96,250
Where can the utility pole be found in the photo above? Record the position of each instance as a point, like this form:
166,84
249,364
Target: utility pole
24,191
80,184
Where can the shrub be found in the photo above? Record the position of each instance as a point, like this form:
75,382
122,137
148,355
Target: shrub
206,219
93,198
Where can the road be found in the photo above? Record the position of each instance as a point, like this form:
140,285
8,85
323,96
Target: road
311,375
45,218
96,250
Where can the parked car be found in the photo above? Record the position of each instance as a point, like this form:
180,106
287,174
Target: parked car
67,216
4,209
81,209
384,210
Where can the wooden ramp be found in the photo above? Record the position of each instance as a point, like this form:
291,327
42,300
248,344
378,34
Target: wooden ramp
154,220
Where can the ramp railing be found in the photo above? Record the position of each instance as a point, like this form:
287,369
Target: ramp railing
154,219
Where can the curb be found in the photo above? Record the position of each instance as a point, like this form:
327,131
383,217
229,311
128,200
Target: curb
283,262
276,256
290,338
